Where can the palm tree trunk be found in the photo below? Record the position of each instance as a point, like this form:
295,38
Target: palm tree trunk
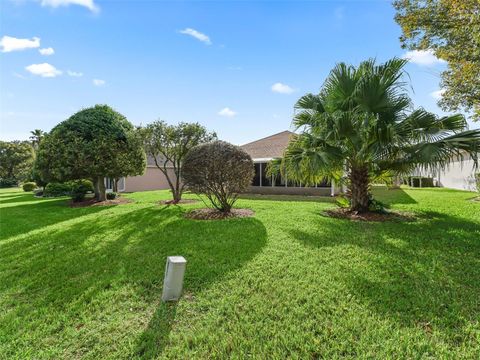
359,189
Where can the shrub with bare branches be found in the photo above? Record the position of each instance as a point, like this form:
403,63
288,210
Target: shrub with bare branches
218,170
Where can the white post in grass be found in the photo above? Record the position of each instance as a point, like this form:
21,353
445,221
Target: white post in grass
173,280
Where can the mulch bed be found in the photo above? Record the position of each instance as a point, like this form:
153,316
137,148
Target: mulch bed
369,216
93,202
213,214
183,201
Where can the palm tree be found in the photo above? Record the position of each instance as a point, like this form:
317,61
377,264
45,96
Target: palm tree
361,127
36,137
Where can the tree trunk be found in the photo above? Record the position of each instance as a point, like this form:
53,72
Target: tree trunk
359,188
115,185
99,186
177,191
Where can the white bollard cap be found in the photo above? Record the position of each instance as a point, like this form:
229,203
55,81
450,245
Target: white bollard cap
173,280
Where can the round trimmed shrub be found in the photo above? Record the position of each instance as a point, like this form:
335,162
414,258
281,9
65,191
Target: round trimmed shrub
111,195
58,189
8,182
80,188
218,170
29,186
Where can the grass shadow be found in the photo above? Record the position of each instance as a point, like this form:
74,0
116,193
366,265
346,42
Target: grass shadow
123,251
40,213
423,274
392,196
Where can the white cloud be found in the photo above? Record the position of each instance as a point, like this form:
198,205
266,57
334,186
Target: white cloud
74,73
197,35
99,82
437,94
9,43
89,4
43,70
227,112
46,51
422,57
282,88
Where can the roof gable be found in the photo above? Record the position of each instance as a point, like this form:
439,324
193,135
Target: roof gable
272,146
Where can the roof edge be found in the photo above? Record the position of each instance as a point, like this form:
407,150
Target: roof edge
269,136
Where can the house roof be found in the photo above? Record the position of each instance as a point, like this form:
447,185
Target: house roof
269,147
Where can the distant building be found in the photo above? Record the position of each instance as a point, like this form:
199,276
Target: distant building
272,147
459,174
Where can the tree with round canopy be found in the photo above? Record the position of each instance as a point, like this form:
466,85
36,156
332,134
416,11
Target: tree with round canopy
94,143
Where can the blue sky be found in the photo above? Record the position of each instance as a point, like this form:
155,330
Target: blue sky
236,67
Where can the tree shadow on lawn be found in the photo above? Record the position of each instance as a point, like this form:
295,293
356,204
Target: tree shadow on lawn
392,196
16,196
67,269
423,274
20,219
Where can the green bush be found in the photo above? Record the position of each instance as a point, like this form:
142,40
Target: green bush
58,189
8,182
111,195
218,170
80,188
29,186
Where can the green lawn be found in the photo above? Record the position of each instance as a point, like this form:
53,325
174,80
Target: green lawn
86,282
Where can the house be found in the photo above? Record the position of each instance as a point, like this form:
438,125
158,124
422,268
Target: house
272,147
459,174
261,151
152,179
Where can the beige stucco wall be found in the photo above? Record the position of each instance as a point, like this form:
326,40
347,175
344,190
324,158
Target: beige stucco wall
459,175
153,179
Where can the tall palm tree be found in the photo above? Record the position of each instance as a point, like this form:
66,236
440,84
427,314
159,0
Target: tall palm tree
36,137
361,126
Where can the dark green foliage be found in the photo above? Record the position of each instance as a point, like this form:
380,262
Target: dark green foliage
8,182
218,170
94,143
80,188
29,186
111,195
168,145
55,189
16,159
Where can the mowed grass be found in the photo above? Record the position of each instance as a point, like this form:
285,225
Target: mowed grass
287,283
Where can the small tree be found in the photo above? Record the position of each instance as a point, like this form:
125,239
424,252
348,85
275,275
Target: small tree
168,145
218,170
94,143
16,159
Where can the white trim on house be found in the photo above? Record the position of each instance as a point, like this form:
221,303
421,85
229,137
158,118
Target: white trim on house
262,160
